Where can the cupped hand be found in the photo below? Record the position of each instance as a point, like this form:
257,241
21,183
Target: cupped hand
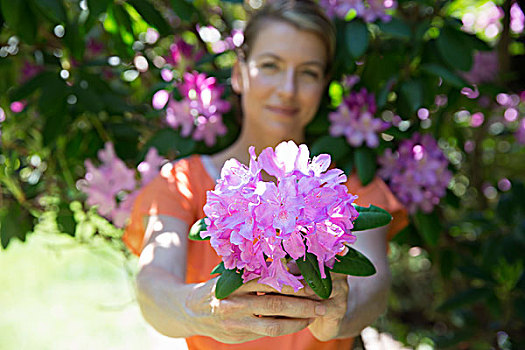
252,311
327,327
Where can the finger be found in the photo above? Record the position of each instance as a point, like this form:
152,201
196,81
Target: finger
274,327
279,305
254,286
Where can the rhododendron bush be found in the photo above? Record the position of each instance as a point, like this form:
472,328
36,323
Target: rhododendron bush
95,96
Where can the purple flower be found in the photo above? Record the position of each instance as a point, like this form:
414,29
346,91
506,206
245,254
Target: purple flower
17,106
517,18
200,111
254,225
149,168
417,172
520,133
112,186
484,68
104,183
29,70
369,10
354,120
183,55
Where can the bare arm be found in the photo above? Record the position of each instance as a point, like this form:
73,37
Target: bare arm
177,309
357,301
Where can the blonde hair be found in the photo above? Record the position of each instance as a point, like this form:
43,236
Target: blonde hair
303,14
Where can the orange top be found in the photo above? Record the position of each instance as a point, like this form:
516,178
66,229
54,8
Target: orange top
180,191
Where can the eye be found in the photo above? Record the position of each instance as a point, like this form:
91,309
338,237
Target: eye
311,73
269,66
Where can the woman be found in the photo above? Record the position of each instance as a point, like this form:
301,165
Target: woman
281,75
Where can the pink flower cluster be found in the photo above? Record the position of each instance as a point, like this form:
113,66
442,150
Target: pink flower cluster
354,119
254,224
368,10
417,172
183,55
112,186
199,113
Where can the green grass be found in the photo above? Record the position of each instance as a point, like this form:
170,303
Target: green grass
58,294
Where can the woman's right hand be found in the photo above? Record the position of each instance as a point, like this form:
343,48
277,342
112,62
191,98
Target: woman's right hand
177,309
252,311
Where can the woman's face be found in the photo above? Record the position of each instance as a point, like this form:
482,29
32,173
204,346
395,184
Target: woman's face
282,80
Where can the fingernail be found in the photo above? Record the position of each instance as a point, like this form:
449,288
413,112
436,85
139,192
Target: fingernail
320,309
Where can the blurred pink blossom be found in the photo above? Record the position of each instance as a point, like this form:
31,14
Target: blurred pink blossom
17,106
112,186
183,55
520,132
94,47
200,111
29,70
417,172
160,98
368,10
149,167
485,18
354,119
517,19
484,68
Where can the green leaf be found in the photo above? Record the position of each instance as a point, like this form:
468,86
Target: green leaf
396,28
150,14
15,222
52,9
371,217
218,269
125,24
184,9
453,49
337,147
65,219
356,37
412,95
196,229
40,80
444,73
429,227
354,264
74,39
169,142
96,8
309,268
365,162
465,298
20,18
229,281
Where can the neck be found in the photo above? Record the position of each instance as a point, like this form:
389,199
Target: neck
247,138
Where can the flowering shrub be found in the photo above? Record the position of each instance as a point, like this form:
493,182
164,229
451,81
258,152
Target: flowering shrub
417,172
76,75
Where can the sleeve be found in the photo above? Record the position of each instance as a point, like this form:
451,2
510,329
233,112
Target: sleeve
170,193
378,194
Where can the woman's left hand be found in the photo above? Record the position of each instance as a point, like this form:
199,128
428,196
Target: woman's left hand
328,326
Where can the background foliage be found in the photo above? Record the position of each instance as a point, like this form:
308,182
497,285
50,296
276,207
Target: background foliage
78,74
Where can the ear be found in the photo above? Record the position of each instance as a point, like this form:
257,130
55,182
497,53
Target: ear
237,78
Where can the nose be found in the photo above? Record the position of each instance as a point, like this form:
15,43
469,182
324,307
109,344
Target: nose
288,86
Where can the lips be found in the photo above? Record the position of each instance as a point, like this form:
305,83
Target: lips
287,111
